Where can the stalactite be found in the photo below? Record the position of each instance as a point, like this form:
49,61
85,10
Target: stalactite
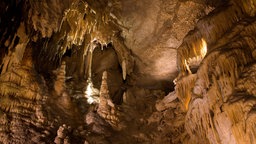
184,88
246,81
199,119
124,56
216,84
82,23
91,93
74,17
221,95
217,24
247,6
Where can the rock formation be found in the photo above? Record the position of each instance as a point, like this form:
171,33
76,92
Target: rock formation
107,108
167,71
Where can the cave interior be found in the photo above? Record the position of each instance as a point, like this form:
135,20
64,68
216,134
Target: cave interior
128,71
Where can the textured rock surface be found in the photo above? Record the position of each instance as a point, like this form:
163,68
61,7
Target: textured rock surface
154,31
136,49
23,94
221,99
106,108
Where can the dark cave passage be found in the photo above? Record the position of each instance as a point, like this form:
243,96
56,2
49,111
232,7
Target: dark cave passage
106,60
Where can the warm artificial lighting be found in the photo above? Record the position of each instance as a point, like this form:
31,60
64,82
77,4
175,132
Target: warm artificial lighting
203,48
91,93
89,89
200,49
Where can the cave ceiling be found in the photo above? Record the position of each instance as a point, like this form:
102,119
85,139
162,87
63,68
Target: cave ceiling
127,71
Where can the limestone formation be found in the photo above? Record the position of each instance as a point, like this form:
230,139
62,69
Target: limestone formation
62,137
128,71
166,102
107,108
23,95
59,84
217,96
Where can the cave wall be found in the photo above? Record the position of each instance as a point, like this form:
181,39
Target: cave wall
138,48
154,30
219,107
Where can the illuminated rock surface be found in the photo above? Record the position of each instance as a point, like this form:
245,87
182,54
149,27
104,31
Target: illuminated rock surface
127,71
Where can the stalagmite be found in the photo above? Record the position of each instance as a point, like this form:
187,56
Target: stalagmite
59,84
124,69
62,137
51,70
107,108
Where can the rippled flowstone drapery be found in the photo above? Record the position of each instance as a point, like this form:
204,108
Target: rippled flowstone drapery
221,102
23,94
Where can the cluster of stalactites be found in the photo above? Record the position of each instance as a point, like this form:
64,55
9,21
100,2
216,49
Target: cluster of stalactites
80,25
221,110
227,52
195,53
216,29
220,95
74,17
75,24
83,24
185,81
83,19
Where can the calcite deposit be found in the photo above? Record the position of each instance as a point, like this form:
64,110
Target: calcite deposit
128,71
